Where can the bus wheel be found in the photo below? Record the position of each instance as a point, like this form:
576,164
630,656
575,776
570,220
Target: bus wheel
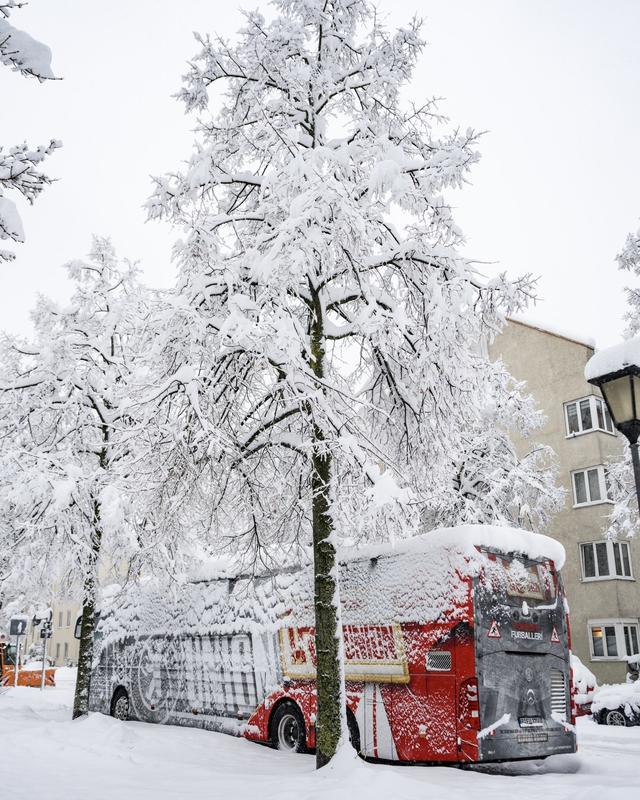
120,704
354,731
287,728
615,717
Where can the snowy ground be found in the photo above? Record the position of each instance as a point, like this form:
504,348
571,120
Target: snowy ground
43,753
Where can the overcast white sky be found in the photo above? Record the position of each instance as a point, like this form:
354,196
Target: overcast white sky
555,83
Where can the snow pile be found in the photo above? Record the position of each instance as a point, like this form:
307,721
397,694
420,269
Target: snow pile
625,696
32,666
613,359
584,681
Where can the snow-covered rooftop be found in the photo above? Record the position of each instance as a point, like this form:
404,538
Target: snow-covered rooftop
554,330
613,359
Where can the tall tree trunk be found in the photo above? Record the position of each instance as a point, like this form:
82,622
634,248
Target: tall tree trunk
88,624
329,680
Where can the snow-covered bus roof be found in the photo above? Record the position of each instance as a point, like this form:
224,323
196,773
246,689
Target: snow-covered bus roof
463,538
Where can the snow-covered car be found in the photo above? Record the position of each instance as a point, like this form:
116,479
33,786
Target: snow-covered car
583,686
619,703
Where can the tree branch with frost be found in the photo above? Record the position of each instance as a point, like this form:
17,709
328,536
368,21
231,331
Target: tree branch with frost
19,165
20,51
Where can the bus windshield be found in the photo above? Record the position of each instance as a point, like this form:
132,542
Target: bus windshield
531,582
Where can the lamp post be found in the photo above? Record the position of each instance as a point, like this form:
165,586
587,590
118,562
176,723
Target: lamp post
616,372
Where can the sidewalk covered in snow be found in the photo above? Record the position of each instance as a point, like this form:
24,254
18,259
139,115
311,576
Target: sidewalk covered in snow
101,758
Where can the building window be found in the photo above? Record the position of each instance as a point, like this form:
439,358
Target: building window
66,649
57,650
613,639
631,639
590,486
586,415
605,560
68,619
59,619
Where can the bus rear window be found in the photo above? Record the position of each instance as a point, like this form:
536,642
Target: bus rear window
533,582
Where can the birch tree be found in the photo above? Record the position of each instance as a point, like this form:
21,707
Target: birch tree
321,356
68,488
20,169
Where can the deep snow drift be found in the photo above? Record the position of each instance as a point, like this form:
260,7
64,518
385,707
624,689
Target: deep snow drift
101,758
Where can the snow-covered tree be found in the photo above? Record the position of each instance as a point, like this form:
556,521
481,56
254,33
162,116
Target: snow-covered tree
322,373
624,520
20,165
629,260
493,482
68,483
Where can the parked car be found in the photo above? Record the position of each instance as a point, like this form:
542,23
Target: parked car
619,703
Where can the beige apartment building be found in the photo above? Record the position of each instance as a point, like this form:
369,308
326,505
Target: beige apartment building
62,647
602,578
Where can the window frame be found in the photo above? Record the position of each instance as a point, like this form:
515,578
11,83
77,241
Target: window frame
611,562
594,400
602,485
619,625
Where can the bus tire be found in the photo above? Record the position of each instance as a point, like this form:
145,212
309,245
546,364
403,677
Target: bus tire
354,731
287,731
120,704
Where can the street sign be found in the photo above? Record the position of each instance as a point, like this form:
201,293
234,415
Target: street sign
18,626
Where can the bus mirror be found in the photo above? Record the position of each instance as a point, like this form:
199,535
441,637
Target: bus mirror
78,628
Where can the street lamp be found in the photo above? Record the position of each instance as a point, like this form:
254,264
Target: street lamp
616,372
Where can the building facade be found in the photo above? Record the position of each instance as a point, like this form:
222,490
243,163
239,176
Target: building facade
602,577
62,647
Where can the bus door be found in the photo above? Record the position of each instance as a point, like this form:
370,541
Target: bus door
376,737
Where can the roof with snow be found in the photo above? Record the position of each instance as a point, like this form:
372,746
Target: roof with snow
554,330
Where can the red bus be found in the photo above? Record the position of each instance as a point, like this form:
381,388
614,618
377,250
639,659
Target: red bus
456,650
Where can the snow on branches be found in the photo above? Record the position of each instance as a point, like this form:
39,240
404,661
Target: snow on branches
629,259
331,312
19,170
20,51
66,428
19,165
623,521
